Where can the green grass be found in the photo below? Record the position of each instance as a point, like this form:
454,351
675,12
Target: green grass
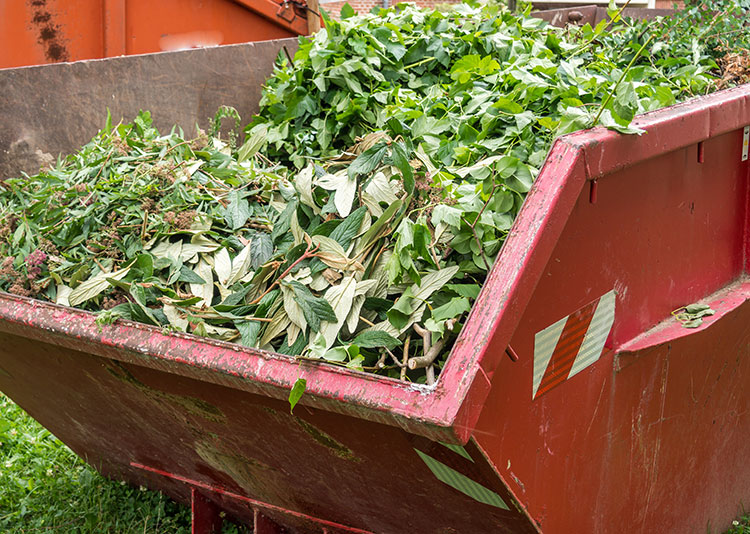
44,487
741,525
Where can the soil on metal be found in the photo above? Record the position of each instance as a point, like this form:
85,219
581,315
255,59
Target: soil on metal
49,32
191,405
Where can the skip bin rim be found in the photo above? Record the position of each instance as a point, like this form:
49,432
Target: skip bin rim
449,409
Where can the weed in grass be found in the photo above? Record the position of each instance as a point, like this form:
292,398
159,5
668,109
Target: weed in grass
45,487
740,526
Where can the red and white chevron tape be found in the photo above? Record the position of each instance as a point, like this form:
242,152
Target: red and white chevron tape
571,344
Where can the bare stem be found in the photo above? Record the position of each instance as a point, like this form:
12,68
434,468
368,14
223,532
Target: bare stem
405,359
430,352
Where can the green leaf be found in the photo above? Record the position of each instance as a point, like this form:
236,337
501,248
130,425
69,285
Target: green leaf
284,221
349,228
295,394
368,160
315,309
470,291
261,250
94,286
189,276
347,11
336,354
401,160
238,211
452,308
249,331
625,103
372,339
254,141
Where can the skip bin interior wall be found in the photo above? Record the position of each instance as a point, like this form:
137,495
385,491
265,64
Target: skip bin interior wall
52,109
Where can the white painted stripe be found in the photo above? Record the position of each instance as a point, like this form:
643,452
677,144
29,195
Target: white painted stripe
593,343
545,342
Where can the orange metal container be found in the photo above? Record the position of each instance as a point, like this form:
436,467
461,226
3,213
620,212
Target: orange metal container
34,32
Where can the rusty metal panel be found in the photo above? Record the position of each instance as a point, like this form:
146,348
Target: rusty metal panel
52,109
313,471
34,32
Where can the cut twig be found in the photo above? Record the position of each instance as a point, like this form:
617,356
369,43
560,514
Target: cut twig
430,351
405,359
430,374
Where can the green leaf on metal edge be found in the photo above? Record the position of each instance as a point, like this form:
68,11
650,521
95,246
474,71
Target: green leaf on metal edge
295,394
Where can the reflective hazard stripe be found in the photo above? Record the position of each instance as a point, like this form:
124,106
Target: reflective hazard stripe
462,483
568,346
458,449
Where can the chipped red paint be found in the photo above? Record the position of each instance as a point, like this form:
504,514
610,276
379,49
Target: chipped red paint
608,447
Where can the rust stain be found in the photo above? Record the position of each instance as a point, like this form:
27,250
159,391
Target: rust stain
49,32
320,437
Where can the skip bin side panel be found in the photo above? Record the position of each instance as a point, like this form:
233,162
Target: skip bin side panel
594,448
309,471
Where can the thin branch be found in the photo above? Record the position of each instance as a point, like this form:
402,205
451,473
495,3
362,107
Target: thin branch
478,242
309,253
430,352
405,359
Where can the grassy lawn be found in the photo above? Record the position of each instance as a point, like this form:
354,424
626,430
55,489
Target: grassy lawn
44,487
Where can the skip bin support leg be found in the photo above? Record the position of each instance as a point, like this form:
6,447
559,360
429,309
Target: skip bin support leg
263,525
206,515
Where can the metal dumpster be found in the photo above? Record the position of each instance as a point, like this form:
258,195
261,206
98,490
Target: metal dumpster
34,32
608,415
